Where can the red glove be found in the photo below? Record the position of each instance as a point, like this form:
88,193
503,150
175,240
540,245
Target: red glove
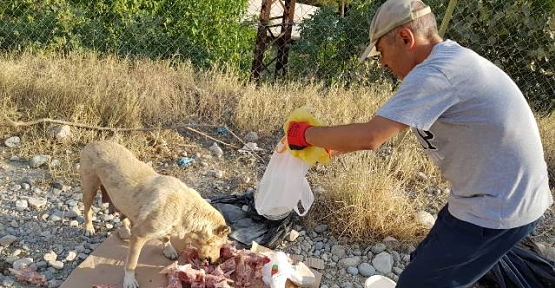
295,135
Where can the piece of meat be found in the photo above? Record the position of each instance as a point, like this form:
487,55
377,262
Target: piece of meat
29,275
172,272
244,264
243,273
228,250
217,281
190,254
228,266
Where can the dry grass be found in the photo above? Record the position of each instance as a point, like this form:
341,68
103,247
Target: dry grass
547,131
369,194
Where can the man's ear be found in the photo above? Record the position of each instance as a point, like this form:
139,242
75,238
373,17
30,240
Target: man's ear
222,231
407,37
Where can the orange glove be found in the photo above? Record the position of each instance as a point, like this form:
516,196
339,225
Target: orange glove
296,135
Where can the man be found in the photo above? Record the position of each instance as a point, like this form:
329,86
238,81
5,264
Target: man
473,122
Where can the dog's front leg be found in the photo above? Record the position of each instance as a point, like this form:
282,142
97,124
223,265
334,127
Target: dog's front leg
135,246
169,251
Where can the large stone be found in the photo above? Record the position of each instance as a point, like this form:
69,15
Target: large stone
23,262
383,262
61,133
425,219
12,142
7,240
39,160
338,250
366,270
350,261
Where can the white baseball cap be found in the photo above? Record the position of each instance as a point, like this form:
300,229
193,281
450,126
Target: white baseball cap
389,16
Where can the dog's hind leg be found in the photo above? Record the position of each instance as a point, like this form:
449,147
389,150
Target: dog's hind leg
169,251
89,185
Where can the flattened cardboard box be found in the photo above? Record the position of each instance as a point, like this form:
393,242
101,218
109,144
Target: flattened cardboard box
105,266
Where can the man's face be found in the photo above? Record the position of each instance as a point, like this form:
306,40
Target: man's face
394,55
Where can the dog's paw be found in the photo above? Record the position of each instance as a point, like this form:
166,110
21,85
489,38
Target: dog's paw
129,281
124,233
89,230
170,252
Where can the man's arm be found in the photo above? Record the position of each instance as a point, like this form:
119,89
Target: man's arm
353,137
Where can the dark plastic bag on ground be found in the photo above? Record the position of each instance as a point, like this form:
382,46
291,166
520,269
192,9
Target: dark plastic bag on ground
250,226
522,267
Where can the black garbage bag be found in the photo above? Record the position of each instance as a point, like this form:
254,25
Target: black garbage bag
249,226
522,267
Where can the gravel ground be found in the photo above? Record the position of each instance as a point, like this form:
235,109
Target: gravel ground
41,221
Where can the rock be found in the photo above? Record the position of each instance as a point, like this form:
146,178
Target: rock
352,270
315,263
293,235
397,270
39,160
55,163
58,265
426,219
8,282
216,150
71,255
250,146
338,250
321,228
378,248
350,261
251,137
21,205
383,262
12,142
50,256
366,270
390,242
215,173
23,262
61,133
7,240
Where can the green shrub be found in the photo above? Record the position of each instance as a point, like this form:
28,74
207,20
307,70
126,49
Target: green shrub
208,32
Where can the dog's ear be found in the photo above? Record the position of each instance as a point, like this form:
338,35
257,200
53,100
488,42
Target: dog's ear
222,231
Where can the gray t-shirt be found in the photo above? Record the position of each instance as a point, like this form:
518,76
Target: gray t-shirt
476,125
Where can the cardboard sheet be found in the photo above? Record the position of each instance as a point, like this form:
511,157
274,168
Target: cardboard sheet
105,266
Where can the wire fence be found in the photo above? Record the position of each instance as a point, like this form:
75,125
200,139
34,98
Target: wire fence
281,38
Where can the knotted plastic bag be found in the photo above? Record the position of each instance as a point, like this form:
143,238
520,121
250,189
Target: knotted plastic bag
283,186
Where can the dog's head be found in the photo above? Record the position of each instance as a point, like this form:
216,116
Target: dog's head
209,245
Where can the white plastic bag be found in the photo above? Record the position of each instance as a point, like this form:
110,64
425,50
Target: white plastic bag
283,186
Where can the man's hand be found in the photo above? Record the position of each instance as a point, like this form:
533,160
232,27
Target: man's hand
296,135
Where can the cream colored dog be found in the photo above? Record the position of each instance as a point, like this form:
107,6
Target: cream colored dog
158,206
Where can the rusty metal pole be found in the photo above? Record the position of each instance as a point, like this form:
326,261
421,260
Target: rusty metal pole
260,46
284,41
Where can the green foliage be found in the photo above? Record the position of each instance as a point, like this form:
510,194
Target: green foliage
207,32
330,46
518,36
